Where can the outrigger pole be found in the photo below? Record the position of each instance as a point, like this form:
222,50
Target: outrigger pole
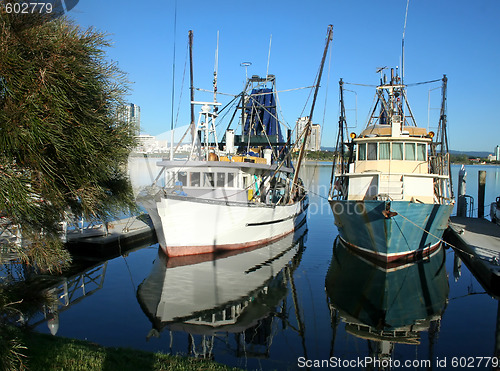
307,129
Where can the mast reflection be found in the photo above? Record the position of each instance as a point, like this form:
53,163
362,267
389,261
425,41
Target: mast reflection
386,306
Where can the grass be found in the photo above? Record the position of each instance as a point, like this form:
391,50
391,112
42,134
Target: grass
46,352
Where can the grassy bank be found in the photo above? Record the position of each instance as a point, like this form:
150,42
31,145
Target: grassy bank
46,352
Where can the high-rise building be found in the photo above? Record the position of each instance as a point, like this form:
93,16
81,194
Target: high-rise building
314,139
131,113
497,153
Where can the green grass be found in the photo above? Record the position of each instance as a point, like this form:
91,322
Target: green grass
46,352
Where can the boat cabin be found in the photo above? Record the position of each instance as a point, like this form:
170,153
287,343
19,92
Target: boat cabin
388,166
224,180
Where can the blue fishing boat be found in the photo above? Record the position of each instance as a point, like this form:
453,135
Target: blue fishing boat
391,192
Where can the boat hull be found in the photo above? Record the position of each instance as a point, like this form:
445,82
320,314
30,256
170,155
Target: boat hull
415,231
190,226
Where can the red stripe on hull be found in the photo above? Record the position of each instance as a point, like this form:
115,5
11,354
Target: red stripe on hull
392,260
172,251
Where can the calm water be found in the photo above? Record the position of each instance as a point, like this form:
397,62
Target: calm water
302,298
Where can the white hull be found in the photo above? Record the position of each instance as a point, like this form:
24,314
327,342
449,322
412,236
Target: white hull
191,226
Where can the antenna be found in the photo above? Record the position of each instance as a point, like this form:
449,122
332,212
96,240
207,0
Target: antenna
246,65
269,55
216,67
403,45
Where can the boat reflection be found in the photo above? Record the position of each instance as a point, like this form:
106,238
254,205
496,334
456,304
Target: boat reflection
213,296
386,306
42,298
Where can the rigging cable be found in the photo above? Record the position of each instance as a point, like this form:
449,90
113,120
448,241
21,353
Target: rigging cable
182,88
327,86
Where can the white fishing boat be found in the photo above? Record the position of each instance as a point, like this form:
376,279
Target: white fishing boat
239,192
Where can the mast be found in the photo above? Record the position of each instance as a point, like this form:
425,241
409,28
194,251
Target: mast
403,45
339,155
193,126
173,88
442,118
307,129
342,120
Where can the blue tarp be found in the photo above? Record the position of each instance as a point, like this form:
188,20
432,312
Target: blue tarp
261,114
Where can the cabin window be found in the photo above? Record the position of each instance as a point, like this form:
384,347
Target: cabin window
372,151
362,152
230,180
169,179
182,177
221,179
195,179
384,151
397,151
410,151
209,180
421,151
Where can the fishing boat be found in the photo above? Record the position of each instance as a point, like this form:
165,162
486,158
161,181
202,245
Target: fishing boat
239,192
391,192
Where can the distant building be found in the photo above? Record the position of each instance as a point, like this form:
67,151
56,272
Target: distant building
149,144
314,139
131,113
492,158
497,153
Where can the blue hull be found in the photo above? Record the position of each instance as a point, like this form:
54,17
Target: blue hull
415,229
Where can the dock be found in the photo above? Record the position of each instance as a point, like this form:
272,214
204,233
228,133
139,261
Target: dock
477,242
111,239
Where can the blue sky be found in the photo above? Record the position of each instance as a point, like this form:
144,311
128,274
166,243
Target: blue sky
458,38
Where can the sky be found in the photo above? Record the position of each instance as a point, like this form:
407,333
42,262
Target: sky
458,38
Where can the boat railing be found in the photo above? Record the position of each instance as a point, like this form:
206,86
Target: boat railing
467,206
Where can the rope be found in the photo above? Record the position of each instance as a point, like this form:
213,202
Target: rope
436,237
278,107
425,82
218,92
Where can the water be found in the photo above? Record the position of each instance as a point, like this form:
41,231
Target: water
299,300
492,190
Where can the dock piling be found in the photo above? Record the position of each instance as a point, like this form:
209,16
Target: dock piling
461,203
480,193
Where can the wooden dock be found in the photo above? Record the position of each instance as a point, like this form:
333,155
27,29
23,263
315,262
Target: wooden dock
477,242
111,239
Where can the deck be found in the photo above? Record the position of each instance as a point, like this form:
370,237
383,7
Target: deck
477,242
120,236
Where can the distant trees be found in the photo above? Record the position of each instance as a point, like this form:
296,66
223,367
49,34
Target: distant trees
61,146
460,158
